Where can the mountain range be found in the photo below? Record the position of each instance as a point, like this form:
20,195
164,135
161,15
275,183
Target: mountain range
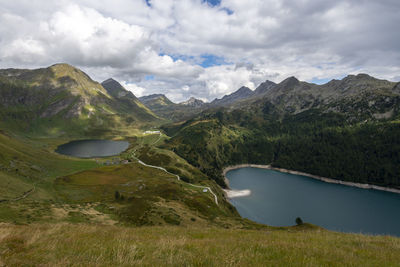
358,96
36,100
170,176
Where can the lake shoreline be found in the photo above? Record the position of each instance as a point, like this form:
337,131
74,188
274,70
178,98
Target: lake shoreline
320,178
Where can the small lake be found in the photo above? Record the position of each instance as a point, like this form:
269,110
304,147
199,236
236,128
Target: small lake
92,148
278,198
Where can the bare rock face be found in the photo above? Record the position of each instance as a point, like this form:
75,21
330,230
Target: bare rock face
57,107
264,87
242,93
193,102
115,89
396,88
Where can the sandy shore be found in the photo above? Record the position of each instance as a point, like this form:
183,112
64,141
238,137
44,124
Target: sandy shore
236,193
324,179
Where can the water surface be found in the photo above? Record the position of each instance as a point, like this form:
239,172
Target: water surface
278,198
92,148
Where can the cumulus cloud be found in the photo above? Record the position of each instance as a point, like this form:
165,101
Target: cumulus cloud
254,40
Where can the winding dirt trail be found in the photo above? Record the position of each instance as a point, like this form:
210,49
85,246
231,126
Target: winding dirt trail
24,195
177,176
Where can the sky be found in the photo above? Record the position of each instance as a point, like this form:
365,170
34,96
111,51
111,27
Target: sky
205,49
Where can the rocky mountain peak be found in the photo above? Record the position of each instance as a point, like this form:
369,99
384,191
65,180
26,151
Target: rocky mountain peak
193,102
115,89
243,90
264,87
242,93
290,82
156,100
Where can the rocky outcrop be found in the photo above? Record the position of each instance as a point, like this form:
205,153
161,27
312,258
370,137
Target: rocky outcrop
242,93
193,102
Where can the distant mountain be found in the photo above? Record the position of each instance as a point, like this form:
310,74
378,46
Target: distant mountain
193,102
156,101
263,88
345,129
115,89
46,99
242,93
356,95
165,108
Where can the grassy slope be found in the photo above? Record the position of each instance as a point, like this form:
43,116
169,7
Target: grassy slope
25,164
91,245
63,101
82,194
150,197
311,142
68,189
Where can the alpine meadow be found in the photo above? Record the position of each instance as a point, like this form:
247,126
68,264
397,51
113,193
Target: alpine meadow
199,133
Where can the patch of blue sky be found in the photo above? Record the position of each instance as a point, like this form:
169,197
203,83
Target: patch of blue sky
326,80
149,77
320,81
227,10
212,2
209,60
217,3
185,58
205,60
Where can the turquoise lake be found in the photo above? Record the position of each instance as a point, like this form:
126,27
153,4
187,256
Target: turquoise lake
278,198
92,148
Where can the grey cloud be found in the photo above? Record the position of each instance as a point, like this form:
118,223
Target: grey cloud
263,39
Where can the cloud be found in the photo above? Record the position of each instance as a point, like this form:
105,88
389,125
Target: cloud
137,90
169,40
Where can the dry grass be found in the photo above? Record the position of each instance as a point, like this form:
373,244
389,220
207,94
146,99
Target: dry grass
90,245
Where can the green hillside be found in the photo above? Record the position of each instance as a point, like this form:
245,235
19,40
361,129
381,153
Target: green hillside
37,185
315,142
160,201
63,101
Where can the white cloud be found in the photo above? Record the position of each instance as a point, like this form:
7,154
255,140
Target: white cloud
262,39
136,90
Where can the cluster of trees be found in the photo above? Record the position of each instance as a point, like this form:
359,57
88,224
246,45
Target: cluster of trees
324,144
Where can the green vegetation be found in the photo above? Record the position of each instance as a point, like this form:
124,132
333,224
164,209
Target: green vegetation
25,164
38,185
299,221
63,101
324,144
91,245
58,210
141,195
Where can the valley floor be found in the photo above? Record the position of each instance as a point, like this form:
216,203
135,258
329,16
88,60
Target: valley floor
99,245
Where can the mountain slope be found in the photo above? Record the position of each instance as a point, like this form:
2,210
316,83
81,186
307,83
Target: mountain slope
346,130
127,99
41,101
263,88
360,96
165,108
156,101
193,102
242,93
